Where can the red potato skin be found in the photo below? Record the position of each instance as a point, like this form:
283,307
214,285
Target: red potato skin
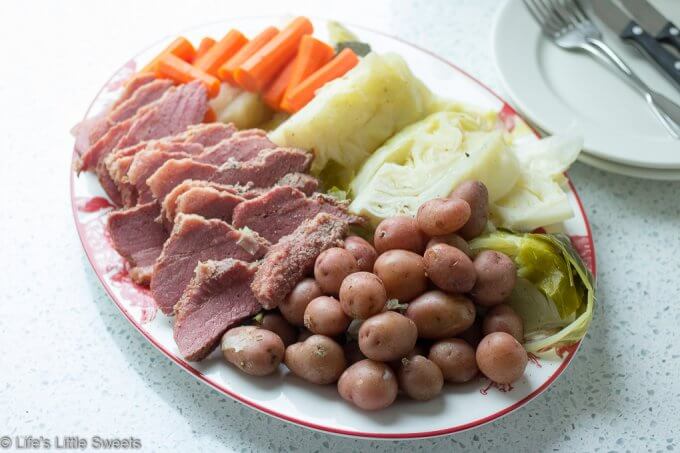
441,216
496,278
501,358
400,232
502,318
402,273
293,307
362,295
449,268
477,196
324,316
369,385
456,358
276,323
331,268
453,240
363,251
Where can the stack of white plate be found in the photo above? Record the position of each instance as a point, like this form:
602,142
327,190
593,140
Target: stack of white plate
562,91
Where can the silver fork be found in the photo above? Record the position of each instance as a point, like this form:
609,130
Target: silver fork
566,23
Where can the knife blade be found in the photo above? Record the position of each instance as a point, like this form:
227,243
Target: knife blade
629,30
653,21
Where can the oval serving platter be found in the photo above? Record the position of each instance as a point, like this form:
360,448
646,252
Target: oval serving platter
282,395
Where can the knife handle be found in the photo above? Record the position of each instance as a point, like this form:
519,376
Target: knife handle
670,34
662,57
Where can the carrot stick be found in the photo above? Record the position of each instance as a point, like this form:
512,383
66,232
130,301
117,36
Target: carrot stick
174,68
204,47
226,71
223,50
273,95
304,92
312,54
180,47
210,116
262,67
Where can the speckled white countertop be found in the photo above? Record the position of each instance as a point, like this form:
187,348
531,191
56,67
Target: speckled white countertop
72,365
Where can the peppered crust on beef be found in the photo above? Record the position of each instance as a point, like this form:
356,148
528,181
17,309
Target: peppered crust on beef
293,257
218,297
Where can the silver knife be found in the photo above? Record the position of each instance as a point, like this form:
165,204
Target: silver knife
654,22
628,29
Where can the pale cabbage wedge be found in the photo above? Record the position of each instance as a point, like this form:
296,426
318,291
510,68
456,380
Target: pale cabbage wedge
538,199
430,159
352,116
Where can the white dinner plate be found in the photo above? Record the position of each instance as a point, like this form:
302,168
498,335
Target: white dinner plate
283,395
571,92
629,170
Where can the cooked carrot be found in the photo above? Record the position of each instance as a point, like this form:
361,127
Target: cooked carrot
204,47
226,71
312,54
210,116
273,95
262,67
304,92
174,68
223,50
180,47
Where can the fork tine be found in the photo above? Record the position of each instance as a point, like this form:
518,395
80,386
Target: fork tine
580,11
549,11
539,16
566,7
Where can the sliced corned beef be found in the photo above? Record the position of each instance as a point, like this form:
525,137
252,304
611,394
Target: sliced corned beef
172,113
119,162
103,123
263,171
281,210
133,84
145,95
292,258
174,172
217,298
138,238
195,239
208,202
169,206
301,181
146,162
238,148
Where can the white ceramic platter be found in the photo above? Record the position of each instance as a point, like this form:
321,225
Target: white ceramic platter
284,396
570,92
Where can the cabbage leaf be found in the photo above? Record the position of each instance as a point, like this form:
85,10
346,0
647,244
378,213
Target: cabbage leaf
555,293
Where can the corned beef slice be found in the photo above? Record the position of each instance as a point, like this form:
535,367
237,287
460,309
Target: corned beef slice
138,238
192,141
147,161
238,148
145,95
133,84
263,171
208,202
281,210
103,124
172,113
292,258
301,181
217,298
174,172
169,206
195,239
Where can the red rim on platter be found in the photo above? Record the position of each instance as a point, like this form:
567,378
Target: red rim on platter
90,208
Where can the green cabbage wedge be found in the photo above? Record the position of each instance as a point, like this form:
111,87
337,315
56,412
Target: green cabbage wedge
555,292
